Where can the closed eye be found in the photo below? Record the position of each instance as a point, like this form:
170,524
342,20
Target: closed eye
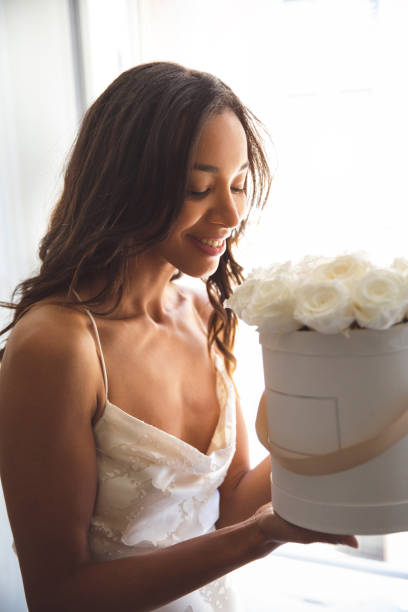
197,195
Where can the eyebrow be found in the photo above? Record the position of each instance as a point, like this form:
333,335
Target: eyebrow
214,169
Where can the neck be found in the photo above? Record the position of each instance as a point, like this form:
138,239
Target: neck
148,291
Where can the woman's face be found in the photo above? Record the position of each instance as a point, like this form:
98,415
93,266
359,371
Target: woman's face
215,201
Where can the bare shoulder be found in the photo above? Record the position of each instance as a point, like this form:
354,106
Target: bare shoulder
50,346
49,330
199,298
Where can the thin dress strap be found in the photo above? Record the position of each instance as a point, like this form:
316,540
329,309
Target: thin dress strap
98,340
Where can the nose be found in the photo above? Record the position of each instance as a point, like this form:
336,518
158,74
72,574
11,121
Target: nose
229,209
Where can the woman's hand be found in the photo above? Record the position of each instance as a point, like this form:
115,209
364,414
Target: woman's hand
278,531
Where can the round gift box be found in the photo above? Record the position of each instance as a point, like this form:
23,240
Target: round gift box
337,414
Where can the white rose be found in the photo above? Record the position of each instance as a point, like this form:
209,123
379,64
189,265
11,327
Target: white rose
324,306
272,305
348,268
266,302
266,299
380,299
241,298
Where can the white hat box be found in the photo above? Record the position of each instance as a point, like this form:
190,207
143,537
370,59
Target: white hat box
337,416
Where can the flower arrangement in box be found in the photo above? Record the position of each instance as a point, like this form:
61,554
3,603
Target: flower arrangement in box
329,295
334,414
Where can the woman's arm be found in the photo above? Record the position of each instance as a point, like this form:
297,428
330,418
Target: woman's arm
145,582
243,490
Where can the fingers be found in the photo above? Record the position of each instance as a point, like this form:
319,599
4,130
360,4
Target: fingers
281,531
327,538
308,536
345,540
349,541
311,537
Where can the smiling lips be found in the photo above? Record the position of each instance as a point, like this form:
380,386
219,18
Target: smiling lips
210,246
211,242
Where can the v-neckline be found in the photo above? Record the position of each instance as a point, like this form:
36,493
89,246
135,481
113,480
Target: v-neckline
165,434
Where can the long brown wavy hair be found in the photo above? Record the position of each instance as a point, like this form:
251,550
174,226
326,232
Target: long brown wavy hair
125,185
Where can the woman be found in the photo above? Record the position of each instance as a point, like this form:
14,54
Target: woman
124,456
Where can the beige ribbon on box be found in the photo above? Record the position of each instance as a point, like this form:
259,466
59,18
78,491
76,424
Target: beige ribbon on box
336,461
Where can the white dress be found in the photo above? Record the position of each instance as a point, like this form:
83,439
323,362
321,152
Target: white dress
155,490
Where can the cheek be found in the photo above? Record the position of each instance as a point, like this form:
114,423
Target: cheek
179,231
243,207
188,217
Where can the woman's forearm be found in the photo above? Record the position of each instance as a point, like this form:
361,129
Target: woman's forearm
151,580
252,491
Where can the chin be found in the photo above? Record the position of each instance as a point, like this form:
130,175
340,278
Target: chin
199,272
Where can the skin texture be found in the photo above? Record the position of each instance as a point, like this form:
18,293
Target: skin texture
52,393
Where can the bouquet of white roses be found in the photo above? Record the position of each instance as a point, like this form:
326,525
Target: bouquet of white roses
326,294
